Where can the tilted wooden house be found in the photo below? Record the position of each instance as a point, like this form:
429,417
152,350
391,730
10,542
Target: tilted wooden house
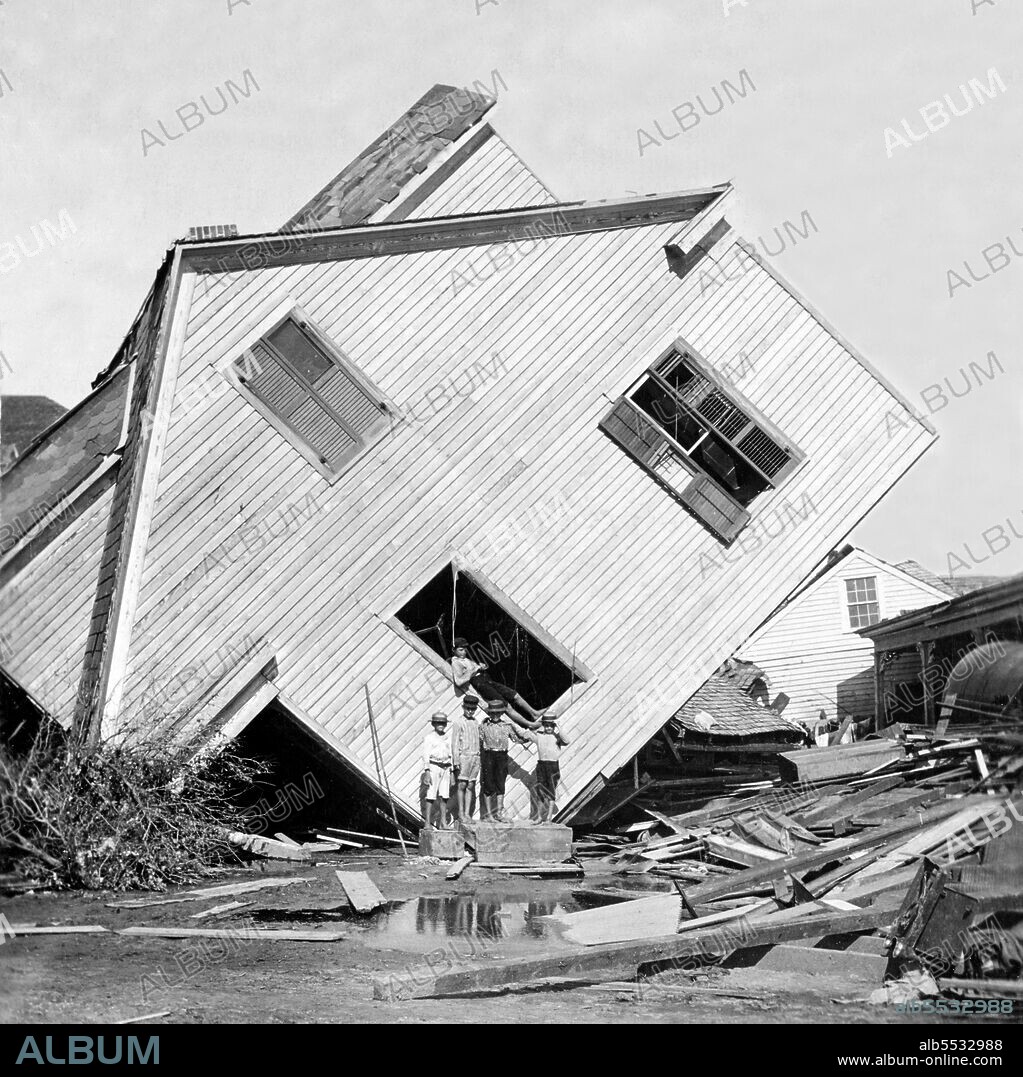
811,648
441,403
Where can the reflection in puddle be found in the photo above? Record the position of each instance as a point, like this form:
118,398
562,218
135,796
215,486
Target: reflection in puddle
467,914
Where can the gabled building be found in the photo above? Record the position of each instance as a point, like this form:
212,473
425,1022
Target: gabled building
812,648
440,403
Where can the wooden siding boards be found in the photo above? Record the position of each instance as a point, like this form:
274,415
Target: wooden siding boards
494,178
808,649
46,609
620,579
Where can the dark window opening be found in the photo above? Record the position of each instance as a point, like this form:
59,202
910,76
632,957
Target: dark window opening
454,604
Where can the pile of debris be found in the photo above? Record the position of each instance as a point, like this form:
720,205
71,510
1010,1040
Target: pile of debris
909,842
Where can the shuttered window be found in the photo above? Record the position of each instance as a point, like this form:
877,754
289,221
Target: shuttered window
314,392
710,448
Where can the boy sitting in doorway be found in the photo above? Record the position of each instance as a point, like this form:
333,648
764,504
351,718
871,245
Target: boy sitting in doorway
469,674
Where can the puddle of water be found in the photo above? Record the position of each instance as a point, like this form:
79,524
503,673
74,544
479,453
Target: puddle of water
470,914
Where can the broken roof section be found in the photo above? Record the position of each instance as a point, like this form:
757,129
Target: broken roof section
377,176
724,709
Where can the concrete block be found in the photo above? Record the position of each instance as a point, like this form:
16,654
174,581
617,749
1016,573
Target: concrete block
444,844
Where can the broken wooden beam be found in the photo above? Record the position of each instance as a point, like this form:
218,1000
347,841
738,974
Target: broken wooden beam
268,847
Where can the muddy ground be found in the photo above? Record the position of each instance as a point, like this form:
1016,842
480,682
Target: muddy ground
486,914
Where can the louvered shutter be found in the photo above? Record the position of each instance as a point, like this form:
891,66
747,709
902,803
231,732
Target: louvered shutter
269,380
722,515
636,434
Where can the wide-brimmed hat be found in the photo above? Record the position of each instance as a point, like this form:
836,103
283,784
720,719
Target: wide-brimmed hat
439,718
497,706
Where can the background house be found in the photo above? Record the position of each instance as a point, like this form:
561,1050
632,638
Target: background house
286,491
811,647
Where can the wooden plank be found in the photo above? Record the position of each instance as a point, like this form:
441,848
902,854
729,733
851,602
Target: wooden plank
360,834
612,960
840,810
246,933
220,910
458,867
361,891
243,887
70,929
840,761
287,841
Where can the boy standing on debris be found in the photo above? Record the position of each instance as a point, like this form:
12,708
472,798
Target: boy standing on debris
465,754
437,771
549,742
469,674
495,734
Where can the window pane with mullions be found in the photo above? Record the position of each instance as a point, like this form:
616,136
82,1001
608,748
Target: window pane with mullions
864,608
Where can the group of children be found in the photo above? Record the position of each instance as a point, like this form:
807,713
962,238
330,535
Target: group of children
474,751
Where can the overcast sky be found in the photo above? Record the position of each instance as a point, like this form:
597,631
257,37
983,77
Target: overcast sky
581,85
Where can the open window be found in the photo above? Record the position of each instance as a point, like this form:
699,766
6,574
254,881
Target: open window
701,440
515,649
303,384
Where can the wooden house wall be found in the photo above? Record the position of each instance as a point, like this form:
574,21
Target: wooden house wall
808,650
495,177
46,609
623,578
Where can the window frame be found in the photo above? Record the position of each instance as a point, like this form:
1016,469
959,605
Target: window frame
847,624
259,331
646,440
570,661
701,367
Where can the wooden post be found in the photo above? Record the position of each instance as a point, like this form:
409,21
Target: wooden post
926,652
878,690
378,753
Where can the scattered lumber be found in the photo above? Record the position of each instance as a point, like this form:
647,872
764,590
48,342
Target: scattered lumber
610,962
266,847
246,933
838,761
361,891
321,847
458,867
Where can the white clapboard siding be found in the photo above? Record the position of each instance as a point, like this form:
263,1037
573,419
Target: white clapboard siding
495,177
810,653
47,608
643,592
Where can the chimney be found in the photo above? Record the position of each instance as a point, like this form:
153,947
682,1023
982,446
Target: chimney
212,231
